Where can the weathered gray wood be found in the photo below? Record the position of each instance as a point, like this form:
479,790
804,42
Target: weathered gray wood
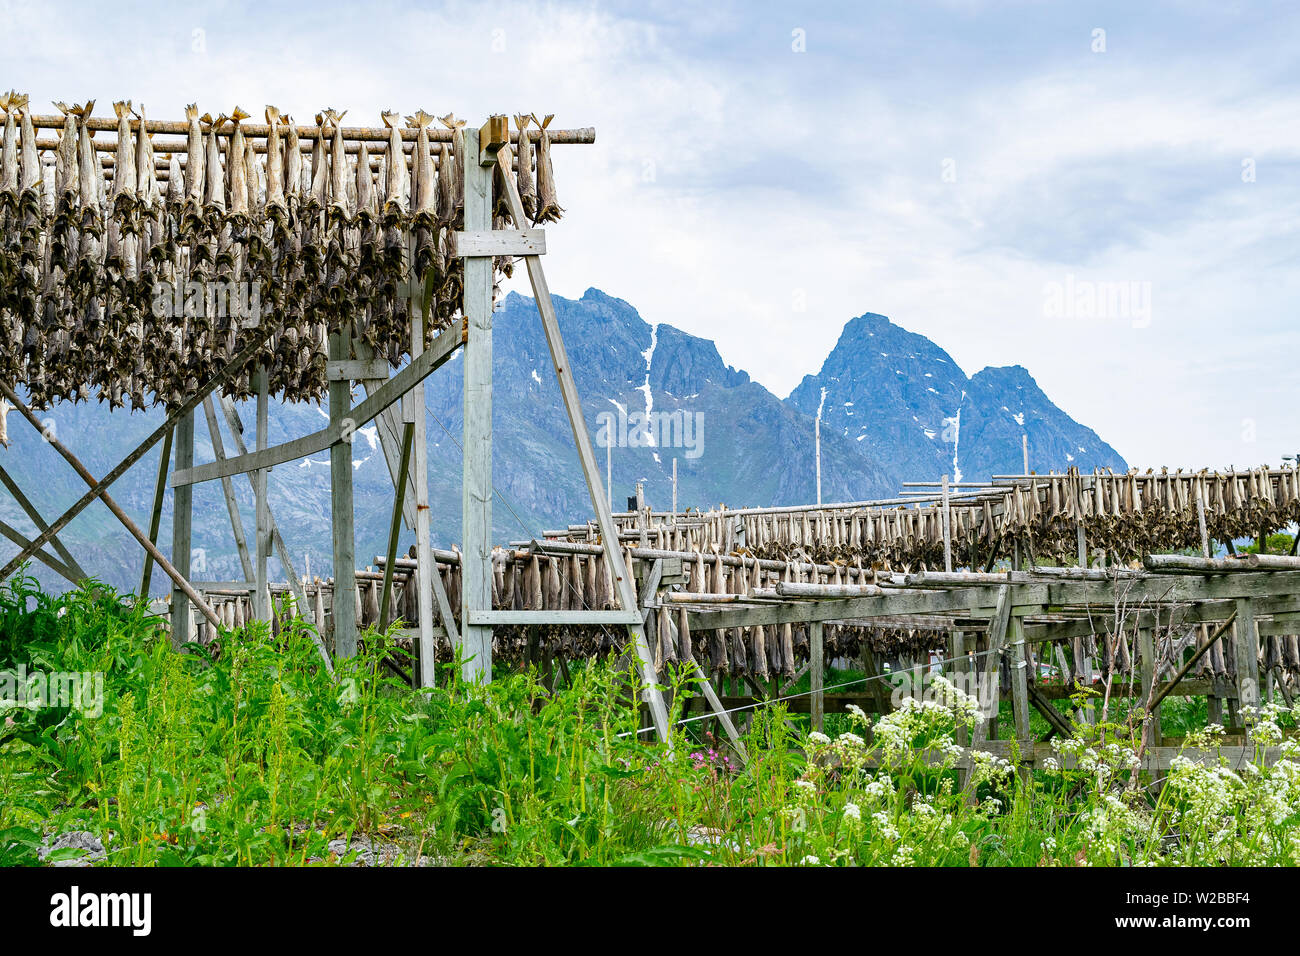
1147,670
486,243
388,422
262,536
803,589
66,558
1246,646
356,370
47,559
996,637
487,618
587,458
476,488
182,517
305,608
394,529
817,672
1019,661
443,348
228,492
341,513
429,587
947,527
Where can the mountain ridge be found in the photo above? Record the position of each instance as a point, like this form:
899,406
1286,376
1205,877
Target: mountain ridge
896,407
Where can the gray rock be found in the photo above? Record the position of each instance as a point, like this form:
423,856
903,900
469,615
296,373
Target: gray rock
90,845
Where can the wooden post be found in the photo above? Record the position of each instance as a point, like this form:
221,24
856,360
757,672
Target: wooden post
182,516
674,490
261,539
1246,645
341,514
155,517
305,609
817,672
627,597
427,582
960,668
394,529
609,470
1024,452
476,563
817,442
1018,660
947,527
1149,675
999,624
228,492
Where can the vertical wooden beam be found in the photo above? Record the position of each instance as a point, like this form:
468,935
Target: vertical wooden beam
989,684
305,608
394,529
182,516
947,527
1149,675
155,518
341,514
674,489
476,562
262,537
590,470
1019,662
228,491
1246,646
428,583
960,669
817,672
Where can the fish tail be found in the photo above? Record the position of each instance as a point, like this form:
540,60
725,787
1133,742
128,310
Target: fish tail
122,108
390,118
272,116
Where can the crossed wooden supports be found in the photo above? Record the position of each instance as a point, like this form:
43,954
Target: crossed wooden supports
478,244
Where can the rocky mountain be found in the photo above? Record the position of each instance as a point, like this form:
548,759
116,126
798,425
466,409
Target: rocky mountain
905,402
893,405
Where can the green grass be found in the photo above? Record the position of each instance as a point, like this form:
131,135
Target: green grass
255,756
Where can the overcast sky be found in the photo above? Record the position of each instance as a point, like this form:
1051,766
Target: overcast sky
764,172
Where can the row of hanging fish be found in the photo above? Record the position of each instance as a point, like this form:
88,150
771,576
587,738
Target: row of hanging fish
582,582
1128,515
140,277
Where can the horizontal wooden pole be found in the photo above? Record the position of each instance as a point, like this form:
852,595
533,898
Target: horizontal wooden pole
554,617
371,134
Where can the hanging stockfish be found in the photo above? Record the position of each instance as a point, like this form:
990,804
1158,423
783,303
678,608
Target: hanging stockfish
425,203
124,183
548,207
524,175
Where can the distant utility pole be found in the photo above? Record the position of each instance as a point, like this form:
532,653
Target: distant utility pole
674,491
1024,451
817,438
609,472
